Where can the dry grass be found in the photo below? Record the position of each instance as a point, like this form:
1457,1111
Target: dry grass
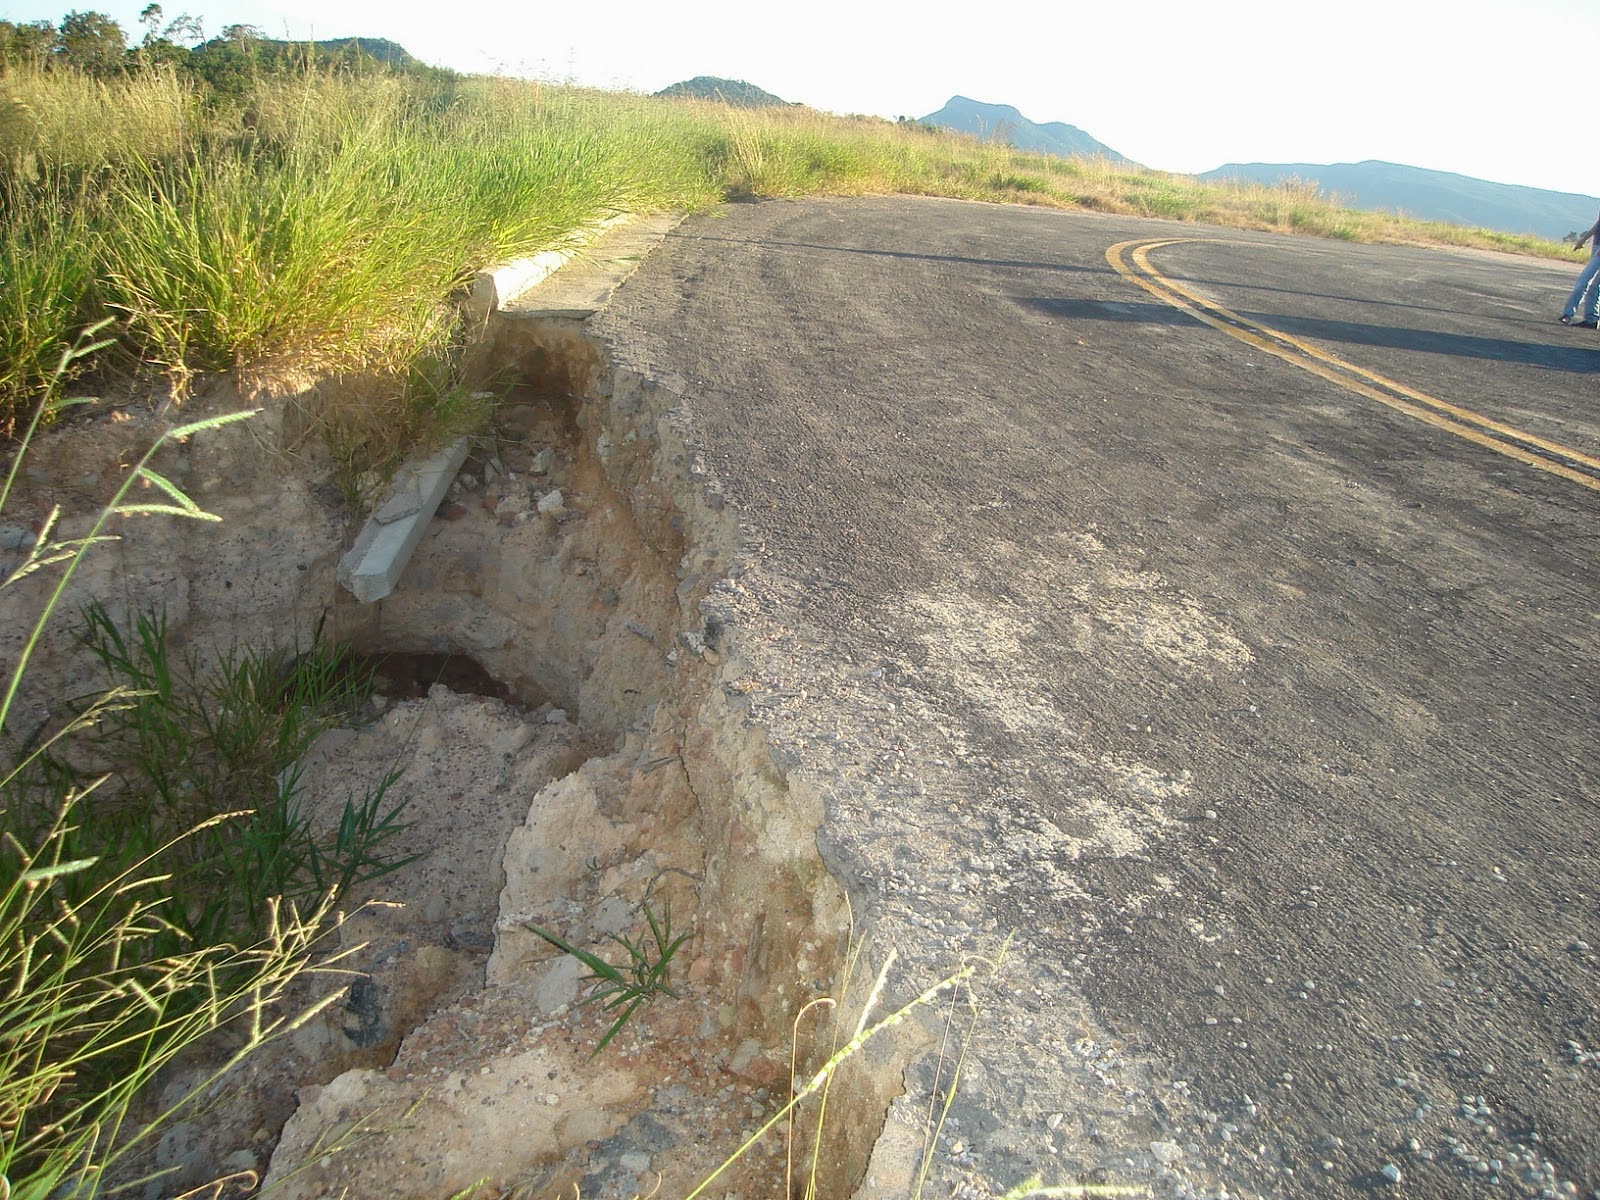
62,119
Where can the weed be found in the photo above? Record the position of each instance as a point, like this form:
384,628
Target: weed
89,1014
644,977
97,995
372,423
184,735
961,991
865,1031
1002,181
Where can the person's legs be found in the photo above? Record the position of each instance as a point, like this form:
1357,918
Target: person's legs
1584,291
1591,293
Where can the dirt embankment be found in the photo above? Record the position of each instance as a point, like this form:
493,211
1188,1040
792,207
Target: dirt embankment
613,774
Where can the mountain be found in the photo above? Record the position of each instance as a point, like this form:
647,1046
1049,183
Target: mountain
1002,123
1432,195
378,49
733,92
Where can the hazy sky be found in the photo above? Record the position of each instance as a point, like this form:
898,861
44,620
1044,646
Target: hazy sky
1497,89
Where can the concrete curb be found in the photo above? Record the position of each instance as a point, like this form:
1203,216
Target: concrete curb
586,286
496,287
373,565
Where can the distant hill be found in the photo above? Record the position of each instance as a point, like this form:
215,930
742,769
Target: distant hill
734,92
379,49
1002,123
1433,195
232,63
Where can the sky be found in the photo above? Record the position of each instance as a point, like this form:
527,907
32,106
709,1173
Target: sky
1495,89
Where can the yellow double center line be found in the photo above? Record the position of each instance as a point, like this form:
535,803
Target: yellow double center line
1514,443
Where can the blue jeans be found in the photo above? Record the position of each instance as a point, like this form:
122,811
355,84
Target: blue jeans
1587,290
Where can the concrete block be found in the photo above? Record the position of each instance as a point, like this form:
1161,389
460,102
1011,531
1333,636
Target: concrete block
495,288
372,567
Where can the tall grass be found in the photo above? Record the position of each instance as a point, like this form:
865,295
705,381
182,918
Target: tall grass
65,119
88,1018
47,266
245,259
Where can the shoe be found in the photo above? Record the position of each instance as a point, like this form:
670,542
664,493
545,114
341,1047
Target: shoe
1566,318
1584,324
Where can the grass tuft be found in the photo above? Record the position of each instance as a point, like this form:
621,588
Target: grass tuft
183,736
643,978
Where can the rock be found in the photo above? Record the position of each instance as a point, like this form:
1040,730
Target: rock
1166,1153
543,461
751,1065
510,508
760,1071
612,916
744,1055
552,504
14,538
558,986
177,1144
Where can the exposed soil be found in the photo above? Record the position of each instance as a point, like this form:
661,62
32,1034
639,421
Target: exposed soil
409,676
572,752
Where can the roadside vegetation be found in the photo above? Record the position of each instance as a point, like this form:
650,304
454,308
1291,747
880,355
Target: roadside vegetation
160,877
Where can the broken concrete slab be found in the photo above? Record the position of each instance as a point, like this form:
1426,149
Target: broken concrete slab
584,287
607,254
372,567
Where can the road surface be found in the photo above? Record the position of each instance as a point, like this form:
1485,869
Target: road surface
1217,613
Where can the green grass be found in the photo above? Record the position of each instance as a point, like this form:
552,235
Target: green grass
624,989
89,1016
188,741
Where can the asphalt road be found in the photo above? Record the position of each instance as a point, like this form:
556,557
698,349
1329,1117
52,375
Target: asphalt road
1234,640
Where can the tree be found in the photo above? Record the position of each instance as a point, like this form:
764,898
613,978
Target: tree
162,42
150,18
26,45
91,42
232,62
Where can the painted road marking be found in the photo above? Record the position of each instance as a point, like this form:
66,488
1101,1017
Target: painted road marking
1524,447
